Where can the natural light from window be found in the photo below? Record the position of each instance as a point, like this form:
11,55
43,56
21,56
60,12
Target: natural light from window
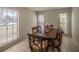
8,25
41,21
64,22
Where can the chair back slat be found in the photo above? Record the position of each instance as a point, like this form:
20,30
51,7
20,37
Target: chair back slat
36,29
59,36
36,41
57,42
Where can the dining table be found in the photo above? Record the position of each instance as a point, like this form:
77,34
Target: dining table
49,36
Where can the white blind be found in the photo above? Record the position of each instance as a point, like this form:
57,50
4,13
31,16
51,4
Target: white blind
8,24
41,21
64,22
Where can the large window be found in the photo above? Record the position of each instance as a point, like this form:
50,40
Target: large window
64,22
8,25
41,21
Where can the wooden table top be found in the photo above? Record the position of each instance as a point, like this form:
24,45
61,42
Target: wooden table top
50,34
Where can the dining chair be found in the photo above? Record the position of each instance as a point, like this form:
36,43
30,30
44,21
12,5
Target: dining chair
50,27
36,29
58,40
35,43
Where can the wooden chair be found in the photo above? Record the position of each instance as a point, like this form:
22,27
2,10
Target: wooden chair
58,40
35,43
36,29
51,26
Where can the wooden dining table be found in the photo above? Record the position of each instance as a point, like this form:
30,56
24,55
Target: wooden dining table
50,35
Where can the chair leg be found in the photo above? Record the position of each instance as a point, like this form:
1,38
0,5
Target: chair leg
59,50
31,50
53,49
47,49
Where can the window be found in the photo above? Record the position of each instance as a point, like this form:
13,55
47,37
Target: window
8,24
41,21
64,22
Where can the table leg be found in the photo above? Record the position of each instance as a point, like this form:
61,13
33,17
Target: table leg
41,46
50,44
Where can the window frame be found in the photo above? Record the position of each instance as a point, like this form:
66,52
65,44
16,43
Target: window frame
17,19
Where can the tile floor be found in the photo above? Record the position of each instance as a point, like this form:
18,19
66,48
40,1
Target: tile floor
23,46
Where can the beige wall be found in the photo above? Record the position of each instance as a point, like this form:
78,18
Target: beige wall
27,19
52,17
75,26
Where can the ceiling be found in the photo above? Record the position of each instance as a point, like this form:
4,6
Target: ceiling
45,8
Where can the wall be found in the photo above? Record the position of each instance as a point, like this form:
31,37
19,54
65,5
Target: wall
27,19
75,27
52,17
